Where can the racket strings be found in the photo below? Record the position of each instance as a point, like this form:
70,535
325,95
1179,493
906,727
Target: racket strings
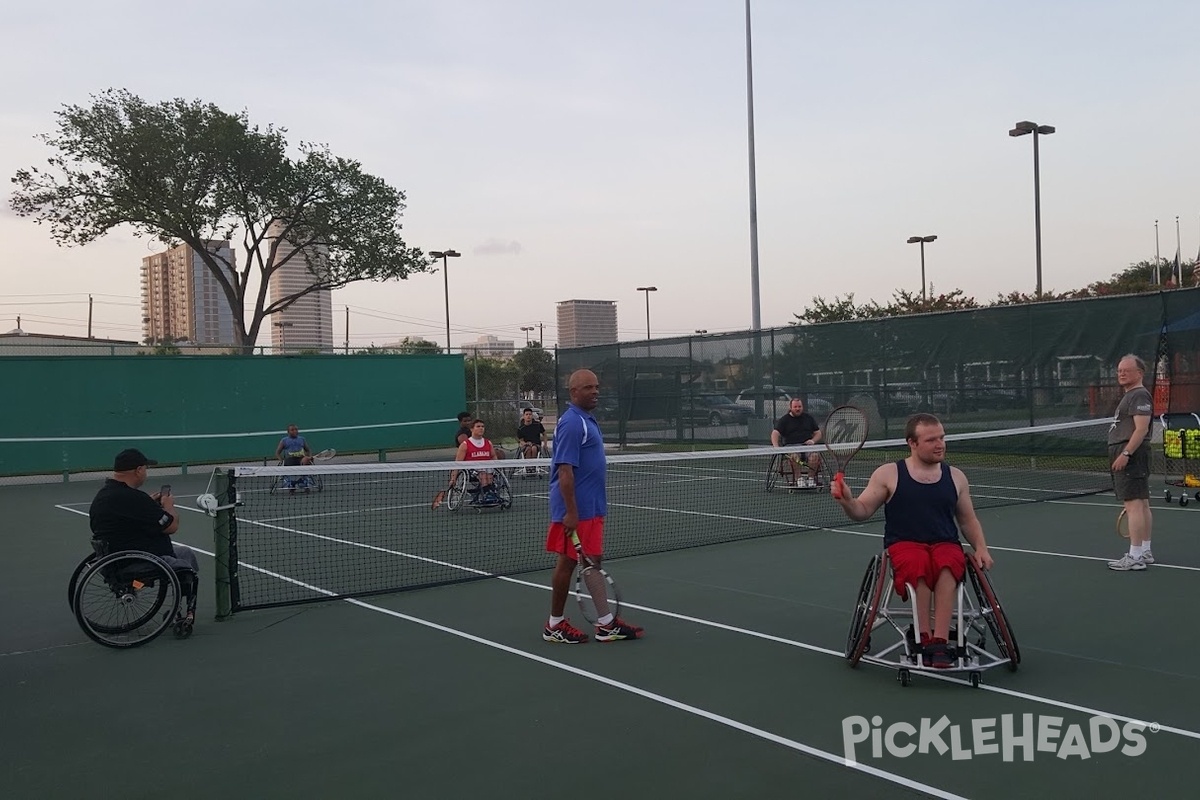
595,599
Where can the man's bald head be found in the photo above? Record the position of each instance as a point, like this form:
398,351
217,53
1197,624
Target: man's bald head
584,388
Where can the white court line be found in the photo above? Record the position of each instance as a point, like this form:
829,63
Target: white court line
733,629
720,719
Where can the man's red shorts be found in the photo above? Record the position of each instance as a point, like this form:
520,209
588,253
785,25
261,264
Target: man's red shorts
591,536
916,561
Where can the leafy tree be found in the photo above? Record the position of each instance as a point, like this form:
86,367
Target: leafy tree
417,345
186,171
497,379
535,369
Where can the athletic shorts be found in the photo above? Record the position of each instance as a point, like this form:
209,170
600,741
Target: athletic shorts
591,537
913,562
1133,482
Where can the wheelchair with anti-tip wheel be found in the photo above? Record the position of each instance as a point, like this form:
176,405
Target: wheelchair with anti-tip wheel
535,471
468,491
886,631
301,483
129,597
792,472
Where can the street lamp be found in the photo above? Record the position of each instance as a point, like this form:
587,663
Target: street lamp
647,290
283,326
701,330
527,330
1021,129
922,240
443,255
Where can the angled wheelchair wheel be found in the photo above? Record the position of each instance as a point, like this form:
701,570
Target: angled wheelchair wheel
457,493
993,614
781,471
74,582
504,489
870,593
126,599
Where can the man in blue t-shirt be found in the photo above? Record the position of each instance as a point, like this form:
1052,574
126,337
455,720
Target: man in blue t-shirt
578,504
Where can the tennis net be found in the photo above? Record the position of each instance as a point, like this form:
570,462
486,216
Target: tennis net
302,534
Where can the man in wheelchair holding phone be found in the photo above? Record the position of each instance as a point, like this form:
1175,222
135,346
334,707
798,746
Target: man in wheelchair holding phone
926,502
122,517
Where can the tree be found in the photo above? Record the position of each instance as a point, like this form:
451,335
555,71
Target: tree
417,345
186,171
535,369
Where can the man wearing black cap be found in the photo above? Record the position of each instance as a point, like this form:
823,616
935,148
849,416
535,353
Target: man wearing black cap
129,519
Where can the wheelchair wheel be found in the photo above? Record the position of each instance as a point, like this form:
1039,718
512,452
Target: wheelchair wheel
275,484
504,489
993,614
457,492
781,470
870,593
74,582
126,599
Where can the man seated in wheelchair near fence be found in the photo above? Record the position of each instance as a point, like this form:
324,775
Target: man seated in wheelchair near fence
531,440
923,499
122,517
798,427
481,485
293,451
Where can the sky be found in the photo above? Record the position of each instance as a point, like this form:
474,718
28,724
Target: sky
575,150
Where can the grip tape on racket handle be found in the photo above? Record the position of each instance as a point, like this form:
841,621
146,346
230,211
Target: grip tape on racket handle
835,488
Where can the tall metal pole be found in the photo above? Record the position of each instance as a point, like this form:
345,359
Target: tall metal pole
541,336
756,310
1157,257
647,316
1037,211
924,296
446,284
89,316
1178,257
347,330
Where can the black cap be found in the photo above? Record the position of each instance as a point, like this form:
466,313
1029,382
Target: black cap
131,459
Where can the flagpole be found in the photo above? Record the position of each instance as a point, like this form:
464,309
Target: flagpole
1157,257
1178,256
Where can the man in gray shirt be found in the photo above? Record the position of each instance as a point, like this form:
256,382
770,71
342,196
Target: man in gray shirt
1129,452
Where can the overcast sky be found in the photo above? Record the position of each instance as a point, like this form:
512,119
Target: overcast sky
579,150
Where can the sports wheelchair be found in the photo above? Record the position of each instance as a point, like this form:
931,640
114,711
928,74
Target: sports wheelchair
127,598
302,482
469,491
879,612
785,471
539,471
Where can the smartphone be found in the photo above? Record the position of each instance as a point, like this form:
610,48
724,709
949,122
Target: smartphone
165,490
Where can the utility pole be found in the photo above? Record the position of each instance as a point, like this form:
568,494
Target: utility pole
347,330
541,336
89,316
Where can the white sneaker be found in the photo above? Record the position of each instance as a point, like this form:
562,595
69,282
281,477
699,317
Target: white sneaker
1147,558
1127,563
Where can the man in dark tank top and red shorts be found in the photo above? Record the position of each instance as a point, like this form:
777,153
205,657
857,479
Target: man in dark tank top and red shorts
926,503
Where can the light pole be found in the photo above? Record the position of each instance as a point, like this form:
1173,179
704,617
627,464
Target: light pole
701,330
283,326
647,290
1020,129
443,255
527,330
922,240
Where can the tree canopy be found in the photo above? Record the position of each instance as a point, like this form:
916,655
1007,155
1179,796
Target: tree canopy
188,172
1138,277
535,369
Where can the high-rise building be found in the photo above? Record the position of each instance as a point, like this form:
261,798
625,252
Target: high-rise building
182,300
489,346
585,322
306,324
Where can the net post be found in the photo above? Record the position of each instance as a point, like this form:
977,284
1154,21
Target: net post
224,528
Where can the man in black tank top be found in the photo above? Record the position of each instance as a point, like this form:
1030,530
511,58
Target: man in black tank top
926,503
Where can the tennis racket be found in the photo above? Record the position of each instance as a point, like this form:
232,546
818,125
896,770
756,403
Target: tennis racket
844,434
595,589
325,455
1123,525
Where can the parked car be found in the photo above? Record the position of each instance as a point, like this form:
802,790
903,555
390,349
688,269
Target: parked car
775,403
713,409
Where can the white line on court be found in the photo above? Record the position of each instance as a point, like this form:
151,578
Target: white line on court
720,719
684,617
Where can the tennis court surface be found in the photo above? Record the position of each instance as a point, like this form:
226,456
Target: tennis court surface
739,688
